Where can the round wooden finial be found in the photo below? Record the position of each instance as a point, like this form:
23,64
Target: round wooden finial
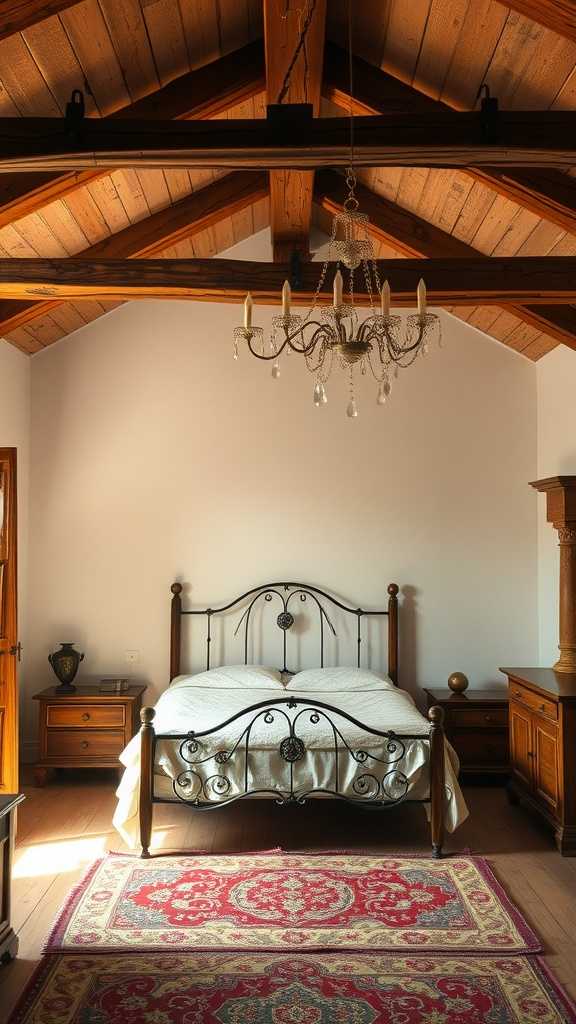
436,714
176,588
147,715
393,589
458,682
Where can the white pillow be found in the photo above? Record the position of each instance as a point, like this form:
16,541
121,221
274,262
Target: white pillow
233,677
331,679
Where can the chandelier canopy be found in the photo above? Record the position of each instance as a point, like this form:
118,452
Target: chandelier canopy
335,336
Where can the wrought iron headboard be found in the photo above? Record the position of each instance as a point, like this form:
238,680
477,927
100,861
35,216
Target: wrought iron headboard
285,620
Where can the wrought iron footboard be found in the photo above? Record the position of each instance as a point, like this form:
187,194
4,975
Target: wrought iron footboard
220,764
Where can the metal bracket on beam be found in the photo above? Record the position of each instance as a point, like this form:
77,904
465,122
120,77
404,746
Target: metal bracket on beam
75,110
285,116
295,270
489,114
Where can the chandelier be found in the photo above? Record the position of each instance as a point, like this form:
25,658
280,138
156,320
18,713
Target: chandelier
335,336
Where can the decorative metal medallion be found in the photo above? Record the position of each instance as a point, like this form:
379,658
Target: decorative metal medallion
285,620
292,749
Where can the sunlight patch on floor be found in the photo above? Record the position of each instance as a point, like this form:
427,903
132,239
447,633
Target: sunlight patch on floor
52,858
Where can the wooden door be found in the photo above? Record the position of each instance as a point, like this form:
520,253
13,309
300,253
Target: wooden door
521,753
9,647
546,751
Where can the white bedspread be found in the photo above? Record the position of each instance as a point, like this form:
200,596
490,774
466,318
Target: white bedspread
192,703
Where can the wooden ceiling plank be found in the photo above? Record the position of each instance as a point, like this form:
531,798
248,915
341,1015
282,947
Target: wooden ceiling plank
131,42
53,54
540,347
164,24
291,191
545,191
541,281
481,30
24,340
558,15
22,80
88,33
393,224
150,236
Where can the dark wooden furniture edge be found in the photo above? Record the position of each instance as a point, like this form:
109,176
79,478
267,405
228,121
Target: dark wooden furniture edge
8,937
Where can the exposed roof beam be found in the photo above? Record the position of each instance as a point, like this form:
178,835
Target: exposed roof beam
16,15
198,95
291,191
152,235
452,282
545,191
445,139
410,234
559,15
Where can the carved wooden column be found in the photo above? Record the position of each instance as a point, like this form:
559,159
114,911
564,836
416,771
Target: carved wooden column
561,512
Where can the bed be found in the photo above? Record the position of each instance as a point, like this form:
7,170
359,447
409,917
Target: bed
246,731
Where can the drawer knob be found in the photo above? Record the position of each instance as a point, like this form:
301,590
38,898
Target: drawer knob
530,753
85,744
85,717
487,718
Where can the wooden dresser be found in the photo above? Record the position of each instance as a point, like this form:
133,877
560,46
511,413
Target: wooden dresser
85,729
543,747
476,724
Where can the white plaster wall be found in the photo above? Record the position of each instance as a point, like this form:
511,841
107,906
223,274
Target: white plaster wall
156,456
556,389
15,433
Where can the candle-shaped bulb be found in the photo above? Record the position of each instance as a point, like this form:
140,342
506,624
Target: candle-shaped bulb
385,299
421,293
337,290
286,296
248,312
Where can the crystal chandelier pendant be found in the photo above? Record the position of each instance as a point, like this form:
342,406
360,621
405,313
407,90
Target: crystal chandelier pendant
275,371
352,409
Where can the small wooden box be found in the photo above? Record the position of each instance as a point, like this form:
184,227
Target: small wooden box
476,725
85,729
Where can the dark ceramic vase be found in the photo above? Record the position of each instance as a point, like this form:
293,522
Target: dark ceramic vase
65,663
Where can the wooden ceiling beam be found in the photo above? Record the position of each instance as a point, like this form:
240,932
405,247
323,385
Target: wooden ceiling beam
16,15
393,225
154,234
558,15
201,94
444,139
291,191
456,282
547,192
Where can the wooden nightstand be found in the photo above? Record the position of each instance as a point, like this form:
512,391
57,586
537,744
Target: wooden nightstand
477,727
85,729
8,939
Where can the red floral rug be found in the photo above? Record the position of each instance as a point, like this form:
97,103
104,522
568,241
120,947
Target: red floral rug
291,901
272,988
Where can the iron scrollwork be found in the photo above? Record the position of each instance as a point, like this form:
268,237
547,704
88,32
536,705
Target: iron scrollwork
379,783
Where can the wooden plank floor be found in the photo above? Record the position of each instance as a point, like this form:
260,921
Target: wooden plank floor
64,826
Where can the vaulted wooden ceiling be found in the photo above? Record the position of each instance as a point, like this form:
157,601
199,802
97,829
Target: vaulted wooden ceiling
164,59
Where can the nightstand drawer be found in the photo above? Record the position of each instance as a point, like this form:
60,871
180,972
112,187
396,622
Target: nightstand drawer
86,716
470,718
77,743
480,749
533,700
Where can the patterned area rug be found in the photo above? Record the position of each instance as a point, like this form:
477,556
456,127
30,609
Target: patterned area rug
288,901
267,988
